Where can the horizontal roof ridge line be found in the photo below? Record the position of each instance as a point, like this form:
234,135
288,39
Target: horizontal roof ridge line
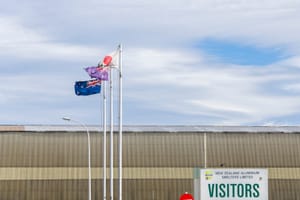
152,128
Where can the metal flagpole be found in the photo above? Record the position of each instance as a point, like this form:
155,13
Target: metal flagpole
111,136
120,121
205,156
104,140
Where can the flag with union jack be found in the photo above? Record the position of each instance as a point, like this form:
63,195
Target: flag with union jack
84,88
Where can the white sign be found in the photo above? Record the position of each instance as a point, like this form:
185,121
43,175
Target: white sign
234,184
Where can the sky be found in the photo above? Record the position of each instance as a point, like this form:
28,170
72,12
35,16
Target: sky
193,62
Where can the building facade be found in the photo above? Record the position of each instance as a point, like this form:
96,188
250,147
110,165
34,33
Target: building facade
50,162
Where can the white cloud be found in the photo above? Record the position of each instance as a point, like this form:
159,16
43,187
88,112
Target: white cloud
34,87
292,87
160,69
266,22
25,43
236,94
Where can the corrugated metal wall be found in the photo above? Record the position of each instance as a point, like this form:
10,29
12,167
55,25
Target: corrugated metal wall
52,165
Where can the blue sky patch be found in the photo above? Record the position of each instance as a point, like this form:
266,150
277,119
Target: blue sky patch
240,53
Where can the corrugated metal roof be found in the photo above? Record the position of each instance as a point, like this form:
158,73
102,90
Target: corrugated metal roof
151,128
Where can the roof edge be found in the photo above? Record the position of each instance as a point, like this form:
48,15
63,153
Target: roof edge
152,128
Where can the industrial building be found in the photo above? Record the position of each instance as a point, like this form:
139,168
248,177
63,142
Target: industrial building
50,162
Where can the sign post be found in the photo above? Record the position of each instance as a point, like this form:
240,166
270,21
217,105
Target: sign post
234,184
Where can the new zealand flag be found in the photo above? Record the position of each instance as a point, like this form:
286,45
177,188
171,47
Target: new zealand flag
84,88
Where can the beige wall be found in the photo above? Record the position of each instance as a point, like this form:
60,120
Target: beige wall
52,165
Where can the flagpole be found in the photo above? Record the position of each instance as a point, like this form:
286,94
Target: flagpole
205,149
104,140
111,136
120,121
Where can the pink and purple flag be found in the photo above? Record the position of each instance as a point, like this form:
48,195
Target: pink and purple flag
99,73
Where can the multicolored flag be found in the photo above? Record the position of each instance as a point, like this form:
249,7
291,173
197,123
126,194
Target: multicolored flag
99,73
111,60
84,88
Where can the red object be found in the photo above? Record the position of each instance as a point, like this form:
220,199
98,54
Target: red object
107,60
186,196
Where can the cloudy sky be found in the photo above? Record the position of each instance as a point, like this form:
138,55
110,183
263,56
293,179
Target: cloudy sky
192,62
